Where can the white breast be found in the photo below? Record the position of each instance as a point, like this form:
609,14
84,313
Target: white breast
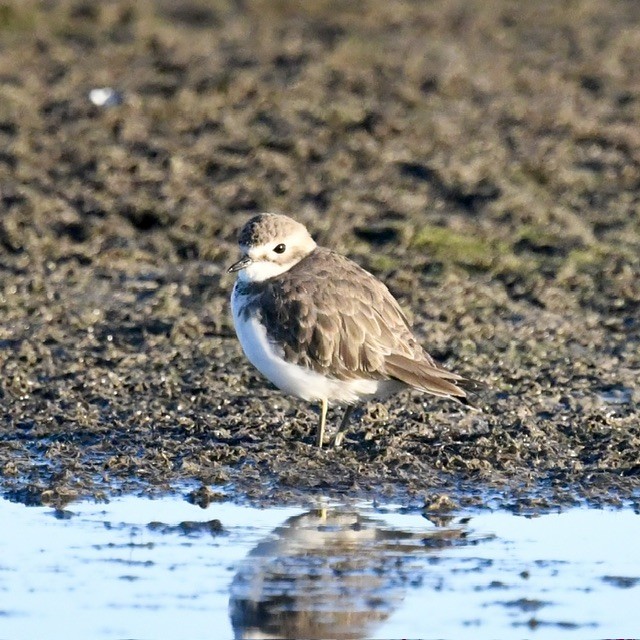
294,379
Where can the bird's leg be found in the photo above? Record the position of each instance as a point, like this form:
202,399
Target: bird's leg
322,422
338,438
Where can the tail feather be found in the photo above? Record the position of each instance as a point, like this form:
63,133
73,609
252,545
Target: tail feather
431,379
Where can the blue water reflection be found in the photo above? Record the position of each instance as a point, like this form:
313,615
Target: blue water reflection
332,573
142,568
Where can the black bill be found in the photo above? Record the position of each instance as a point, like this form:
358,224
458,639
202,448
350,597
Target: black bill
241,264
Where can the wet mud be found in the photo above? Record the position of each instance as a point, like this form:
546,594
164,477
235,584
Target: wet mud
483,159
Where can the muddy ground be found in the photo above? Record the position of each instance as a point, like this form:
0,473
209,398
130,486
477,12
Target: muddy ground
483,158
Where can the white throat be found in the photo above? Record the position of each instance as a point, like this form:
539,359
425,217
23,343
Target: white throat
261,270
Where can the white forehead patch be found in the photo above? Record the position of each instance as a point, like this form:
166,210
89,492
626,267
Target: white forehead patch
296,245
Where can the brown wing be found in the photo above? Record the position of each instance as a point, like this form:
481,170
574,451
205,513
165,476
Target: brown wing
329,314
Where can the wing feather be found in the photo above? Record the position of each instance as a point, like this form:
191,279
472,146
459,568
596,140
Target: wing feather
349,325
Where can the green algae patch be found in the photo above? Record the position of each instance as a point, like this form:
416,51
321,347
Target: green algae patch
469,251
16,17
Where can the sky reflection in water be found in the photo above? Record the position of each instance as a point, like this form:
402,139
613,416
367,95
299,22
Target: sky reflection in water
142,568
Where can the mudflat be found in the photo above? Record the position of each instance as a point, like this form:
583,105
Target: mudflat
483,159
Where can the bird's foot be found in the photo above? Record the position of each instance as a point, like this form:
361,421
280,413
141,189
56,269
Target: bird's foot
336,441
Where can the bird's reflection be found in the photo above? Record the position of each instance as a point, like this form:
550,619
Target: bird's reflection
330,574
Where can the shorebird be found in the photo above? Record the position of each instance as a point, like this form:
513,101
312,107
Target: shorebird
323,329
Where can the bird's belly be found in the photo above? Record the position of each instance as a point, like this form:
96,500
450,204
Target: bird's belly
299,381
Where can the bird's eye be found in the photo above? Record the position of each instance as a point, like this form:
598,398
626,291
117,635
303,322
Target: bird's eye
279,248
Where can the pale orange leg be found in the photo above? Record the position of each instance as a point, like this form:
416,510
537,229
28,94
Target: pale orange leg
322,423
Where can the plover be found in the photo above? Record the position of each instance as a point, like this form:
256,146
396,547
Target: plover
323,329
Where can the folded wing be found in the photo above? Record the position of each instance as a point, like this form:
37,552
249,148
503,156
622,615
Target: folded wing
332,316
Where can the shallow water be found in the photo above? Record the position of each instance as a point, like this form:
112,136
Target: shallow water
165,568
